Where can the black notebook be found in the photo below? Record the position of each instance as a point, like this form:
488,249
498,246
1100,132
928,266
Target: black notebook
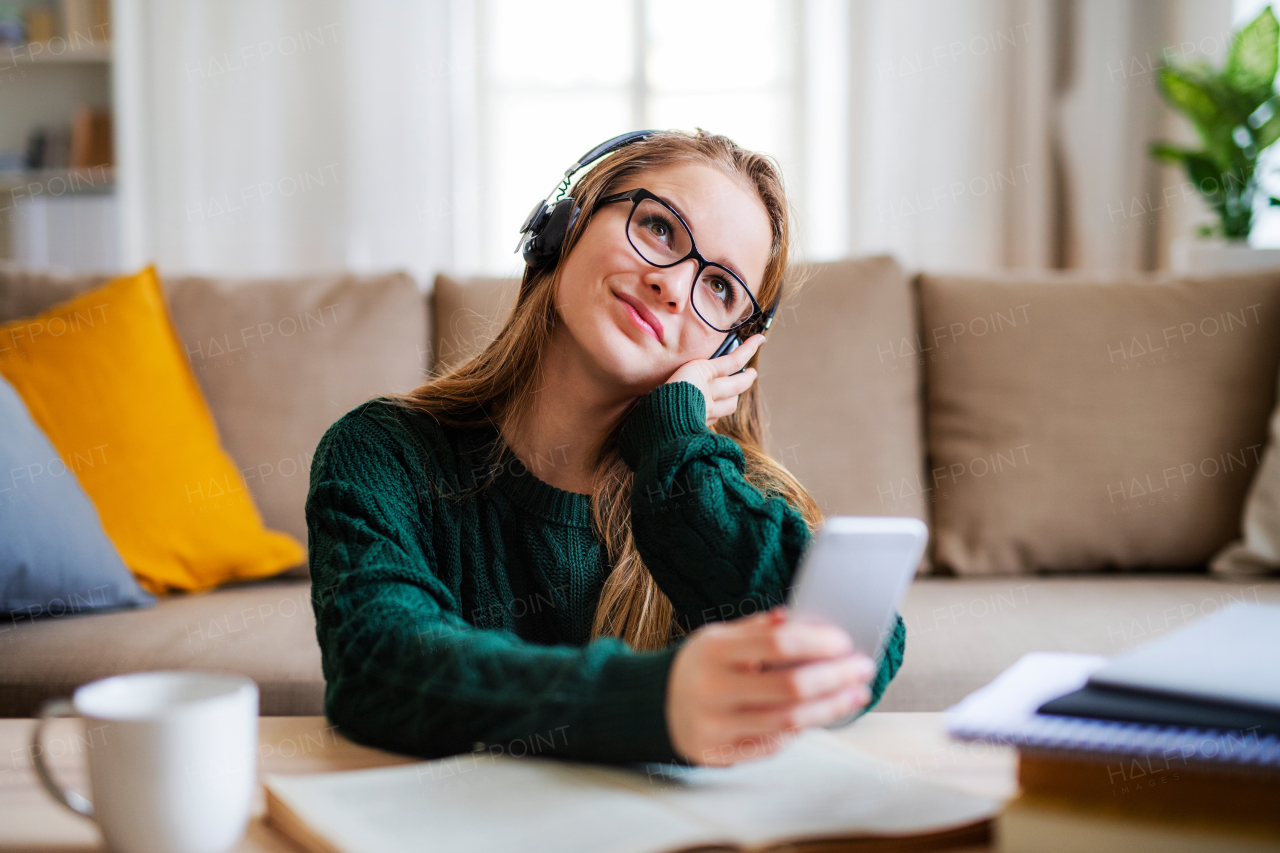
1106,703
1221,672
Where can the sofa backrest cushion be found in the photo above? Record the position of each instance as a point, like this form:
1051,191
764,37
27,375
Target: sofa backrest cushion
278,361
840,375
468,312
841,382
1258,550
1082,422
25,293
281,359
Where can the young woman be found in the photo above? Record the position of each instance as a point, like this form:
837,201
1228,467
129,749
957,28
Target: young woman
574,543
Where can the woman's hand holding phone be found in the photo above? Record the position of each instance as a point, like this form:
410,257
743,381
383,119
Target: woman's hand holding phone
715,377
744,688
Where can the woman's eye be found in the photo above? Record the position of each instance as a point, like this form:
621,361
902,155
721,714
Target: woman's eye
724,289
660,228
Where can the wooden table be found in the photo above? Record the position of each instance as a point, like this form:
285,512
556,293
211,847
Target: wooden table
31,821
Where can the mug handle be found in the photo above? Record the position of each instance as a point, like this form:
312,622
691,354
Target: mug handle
70,799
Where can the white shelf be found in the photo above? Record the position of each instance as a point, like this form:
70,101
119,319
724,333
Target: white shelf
56,182
55,52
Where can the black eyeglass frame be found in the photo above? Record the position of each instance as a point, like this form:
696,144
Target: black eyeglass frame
640,194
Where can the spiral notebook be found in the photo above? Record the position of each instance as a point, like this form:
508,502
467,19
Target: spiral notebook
1005,712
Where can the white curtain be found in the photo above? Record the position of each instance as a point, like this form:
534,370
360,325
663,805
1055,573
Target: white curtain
952,130
1125,209
278,136
293,135
1013,133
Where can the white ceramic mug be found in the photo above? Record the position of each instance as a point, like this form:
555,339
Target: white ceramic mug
172,760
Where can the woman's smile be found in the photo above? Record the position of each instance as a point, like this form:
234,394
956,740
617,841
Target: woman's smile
649,326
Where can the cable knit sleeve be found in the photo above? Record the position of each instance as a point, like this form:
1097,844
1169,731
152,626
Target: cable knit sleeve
717,546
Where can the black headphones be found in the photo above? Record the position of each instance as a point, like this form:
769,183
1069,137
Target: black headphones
546,227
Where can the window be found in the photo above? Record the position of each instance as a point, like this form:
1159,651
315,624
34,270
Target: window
558,77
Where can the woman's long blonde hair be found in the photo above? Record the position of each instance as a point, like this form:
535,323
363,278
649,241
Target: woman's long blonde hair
495,386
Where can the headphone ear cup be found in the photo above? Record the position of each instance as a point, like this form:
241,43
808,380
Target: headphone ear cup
543,247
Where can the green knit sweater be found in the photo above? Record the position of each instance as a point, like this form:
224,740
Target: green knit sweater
450,622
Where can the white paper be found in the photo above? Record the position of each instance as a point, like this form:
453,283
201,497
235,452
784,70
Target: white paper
494,804
1010,701
817,785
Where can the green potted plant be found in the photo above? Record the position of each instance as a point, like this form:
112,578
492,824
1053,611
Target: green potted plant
1236,113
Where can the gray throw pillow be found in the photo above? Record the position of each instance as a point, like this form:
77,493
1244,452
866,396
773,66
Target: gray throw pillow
55,558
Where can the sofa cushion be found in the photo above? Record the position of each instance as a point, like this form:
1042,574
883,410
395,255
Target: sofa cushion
841,382
25,292
963,632
54,555
105,377
1258,551
468,313
278,360
265,630
1084,422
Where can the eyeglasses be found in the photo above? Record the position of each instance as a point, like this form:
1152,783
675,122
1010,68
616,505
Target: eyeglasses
662,238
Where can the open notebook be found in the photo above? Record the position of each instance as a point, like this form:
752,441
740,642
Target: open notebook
815,787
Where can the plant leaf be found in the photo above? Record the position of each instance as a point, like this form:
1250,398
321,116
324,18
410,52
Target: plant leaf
1190,96
1168,153
1221,148
1215,109
1255,53
1268,133
1235,105
1208,179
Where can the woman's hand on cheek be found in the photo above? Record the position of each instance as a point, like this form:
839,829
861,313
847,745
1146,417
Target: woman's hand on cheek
714,378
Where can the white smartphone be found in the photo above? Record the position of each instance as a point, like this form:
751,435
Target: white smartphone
855,574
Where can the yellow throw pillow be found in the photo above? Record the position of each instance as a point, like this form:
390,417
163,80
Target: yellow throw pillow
106,378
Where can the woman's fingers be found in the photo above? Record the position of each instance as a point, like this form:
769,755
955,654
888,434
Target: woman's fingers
732,386
800,715
743,735
804,683
723,379
729,364
763,641
736,360
725,392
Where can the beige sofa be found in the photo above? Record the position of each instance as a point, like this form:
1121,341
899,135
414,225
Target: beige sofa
1042,423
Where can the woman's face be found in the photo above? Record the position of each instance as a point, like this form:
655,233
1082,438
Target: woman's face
730,226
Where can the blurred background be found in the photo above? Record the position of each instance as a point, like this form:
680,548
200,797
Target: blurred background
293,136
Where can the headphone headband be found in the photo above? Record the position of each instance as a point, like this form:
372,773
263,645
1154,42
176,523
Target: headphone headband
544,229
620,141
